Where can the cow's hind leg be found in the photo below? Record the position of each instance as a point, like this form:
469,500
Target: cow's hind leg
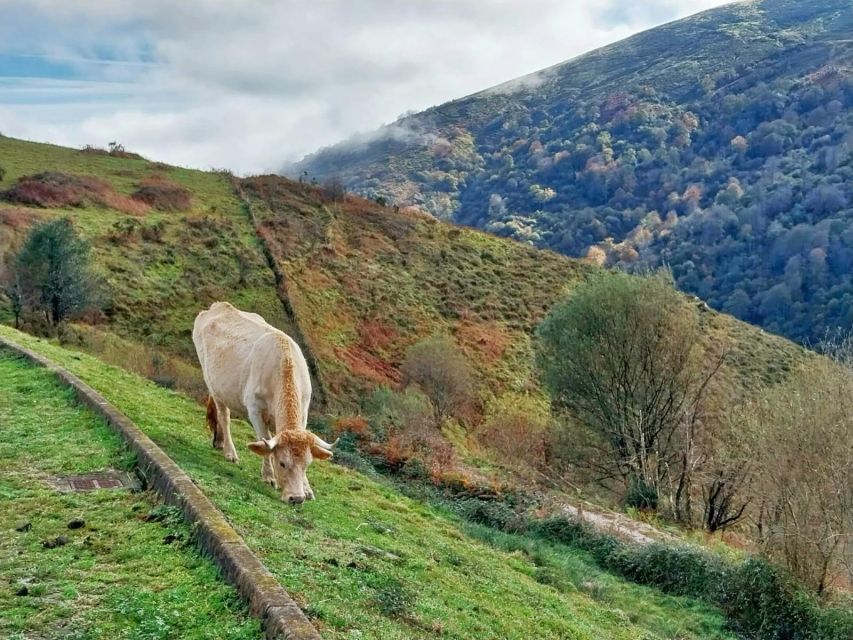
224,417
213,423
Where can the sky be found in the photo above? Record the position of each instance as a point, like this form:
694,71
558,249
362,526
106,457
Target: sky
248,85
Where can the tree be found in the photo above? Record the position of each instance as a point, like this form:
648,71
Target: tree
333,189
53,271
15,294
802,432
440,370
623,358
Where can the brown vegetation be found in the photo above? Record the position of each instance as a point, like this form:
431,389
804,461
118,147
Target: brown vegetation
53,189
163,195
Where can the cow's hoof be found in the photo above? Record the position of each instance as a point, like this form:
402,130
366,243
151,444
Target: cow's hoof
232,457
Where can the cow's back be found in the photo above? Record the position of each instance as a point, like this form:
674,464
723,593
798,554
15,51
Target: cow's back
242,355
224,339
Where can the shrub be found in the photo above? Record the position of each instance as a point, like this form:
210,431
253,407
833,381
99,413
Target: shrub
52,189
163,195
333,189
641,495
438,368
55,189
116,150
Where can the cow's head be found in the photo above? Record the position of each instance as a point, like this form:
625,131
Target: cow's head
290,453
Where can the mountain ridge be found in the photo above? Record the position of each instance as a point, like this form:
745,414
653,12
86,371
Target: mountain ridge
615,150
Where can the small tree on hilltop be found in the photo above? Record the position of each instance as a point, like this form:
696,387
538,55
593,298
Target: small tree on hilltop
334,189
438,368
623,358
52,269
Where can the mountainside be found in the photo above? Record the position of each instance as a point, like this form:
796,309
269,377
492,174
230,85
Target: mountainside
719,145
360,285
358,282
366,283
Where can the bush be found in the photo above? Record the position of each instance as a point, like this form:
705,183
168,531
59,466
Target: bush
333,189
52,189
438,368
641,495
163,195
55,189
759,600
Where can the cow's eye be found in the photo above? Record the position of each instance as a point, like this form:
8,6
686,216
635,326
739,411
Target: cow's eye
282,465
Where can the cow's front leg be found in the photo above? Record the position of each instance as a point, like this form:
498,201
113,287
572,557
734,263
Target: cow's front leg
268,473
224,418
257,419
309,492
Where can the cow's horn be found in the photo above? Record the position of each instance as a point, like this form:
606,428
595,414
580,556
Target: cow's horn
271,443
323,443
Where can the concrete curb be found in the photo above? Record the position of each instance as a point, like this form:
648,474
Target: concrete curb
281,617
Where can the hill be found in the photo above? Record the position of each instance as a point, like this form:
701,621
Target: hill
718,145
160,263
367,282
365,561
358,282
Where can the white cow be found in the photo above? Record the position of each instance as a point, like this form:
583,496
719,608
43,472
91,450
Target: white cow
253,368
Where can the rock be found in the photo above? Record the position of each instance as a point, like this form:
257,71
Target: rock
59,541
24,527
77,523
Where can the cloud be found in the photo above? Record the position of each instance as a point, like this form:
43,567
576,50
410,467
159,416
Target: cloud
250,84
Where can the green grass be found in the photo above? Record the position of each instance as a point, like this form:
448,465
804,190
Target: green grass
116,578
366,562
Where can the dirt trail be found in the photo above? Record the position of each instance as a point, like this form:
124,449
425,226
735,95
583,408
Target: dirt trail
614,523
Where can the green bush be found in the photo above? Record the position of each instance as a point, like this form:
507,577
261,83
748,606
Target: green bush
641,495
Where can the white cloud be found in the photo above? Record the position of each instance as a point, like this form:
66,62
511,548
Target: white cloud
248,85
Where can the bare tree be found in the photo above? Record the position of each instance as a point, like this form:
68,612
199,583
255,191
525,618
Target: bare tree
803,445
333,189
15,293
440,370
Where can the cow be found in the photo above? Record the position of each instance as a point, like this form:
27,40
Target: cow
257,370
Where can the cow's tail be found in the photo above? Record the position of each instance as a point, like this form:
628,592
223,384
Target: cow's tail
213,421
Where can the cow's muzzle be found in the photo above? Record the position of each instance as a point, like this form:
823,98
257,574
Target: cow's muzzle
295,499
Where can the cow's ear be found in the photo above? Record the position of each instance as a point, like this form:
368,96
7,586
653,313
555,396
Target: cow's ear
320,453
261,448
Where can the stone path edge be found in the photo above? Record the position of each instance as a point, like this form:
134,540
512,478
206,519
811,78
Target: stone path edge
281,618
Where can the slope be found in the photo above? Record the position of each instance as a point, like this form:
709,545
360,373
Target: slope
718,144
366,562
367,282
161,264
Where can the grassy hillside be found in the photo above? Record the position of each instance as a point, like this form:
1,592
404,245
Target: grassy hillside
367,282
363,281
366,562
129,571
161,266
718,144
